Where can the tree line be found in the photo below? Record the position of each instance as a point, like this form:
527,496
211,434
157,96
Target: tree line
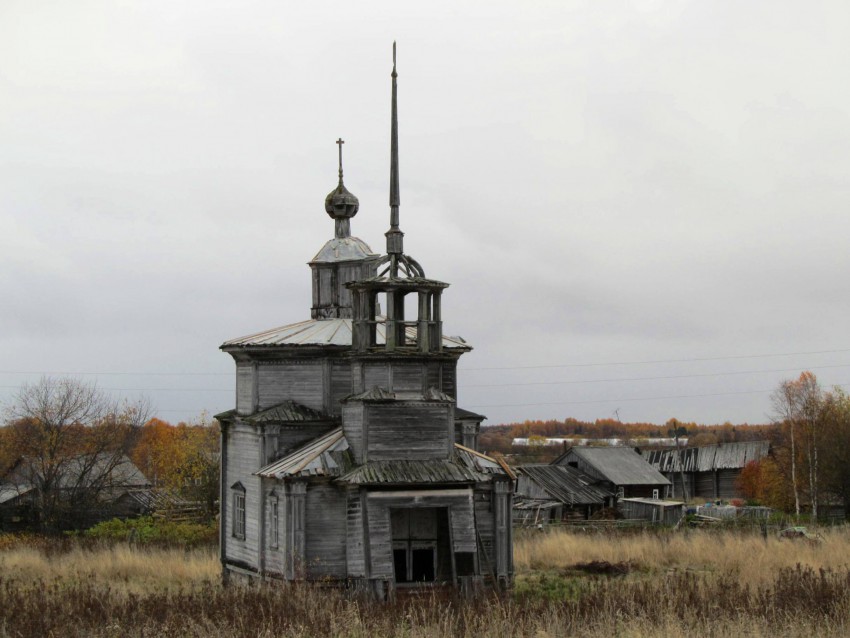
70,448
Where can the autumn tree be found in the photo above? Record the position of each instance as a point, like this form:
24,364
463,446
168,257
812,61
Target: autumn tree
182,458
69,439
798,405
836,446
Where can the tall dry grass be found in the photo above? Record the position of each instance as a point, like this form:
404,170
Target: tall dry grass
753,559
122,568
695,584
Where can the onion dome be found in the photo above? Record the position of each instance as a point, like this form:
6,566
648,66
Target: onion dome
341,204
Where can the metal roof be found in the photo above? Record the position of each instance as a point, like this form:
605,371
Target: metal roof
707,458
653,501
559,482
324,332
398,472
11,492
467,466
343,249
620,465
323,456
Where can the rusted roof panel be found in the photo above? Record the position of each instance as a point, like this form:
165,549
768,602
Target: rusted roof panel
323,456
559,482
323,332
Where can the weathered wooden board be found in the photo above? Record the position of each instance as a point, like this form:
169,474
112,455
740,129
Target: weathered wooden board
408,431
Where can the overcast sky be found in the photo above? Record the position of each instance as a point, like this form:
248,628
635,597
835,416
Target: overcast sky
642,207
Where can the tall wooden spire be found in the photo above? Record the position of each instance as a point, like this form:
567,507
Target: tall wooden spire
395,238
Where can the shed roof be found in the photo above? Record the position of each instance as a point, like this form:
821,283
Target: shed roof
565,484
707,458
324,332
620,465
653,501
323,456
286,412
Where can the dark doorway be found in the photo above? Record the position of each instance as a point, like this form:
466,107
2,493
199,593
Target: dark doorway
421,549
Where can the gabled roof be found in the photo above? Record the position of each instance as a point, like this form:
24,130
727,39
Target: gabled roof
104,469
324,332
323,456
11,492
619,465
406,471
707,458
562,483
285,412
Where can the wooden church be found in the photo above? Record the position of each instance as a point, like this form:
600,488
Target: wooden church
346,458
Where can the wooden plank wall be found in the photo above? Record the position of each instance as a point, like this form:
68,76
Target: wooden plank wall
380,529
299,381
341,385
326,531
245,388
353,417
275,562
376,374
243,457
355,555
408,431
407,377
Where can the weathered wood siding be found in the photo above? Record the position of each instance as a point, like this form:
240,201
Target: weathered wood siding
376,374
245,388
404,430
379,504
275,557
434,376
355,535
354,414
341,385
325,531
243,459
299,381
407,377
704,485
448,378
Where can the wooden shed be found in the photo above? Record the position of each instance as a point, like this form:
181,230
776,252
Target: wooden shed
555,493
652,509
346,458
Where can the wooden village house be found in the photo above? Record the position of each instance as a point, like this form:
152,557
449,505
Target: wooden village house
618,469
346,458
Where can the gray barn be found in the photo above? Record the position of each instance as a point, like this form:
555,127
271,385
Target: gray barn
709,471
346,458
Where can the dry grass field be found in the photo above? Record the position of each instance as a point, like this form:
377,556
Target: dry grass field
697,583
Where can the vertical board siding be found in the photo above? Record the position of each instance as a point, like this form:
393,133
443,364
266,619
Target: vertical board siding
325,531
245,389
397,432
301,382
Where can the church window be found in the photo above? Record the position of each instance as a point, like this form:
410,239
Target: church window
238,511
